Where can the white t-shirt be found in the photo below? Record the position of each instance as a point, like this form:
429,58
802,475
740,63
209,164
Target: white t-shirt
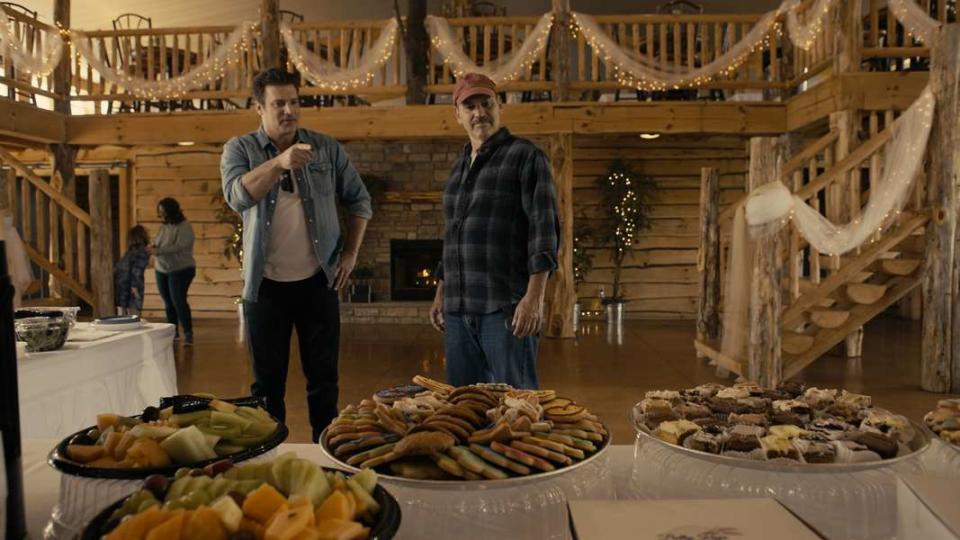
290,256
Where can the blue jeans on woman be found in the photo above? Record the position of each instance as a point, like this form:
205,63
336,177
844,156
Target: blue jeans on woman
482,348
173,289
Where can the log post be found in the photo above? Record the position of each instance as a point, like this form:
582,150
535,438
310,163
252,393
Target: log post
270,34
850,38
764,354
561,293
940,356
416,44
708,257
560,55
101,243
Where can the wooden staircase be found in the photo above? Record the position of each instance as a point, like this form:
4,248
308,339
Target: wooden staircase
828,298
72,248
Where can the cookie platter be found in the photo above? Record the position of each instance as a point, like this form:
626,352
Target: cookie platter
790,428
432,434
944,422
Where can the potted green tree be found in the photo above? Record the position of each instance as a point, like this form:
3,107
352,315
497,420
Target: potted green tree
627,198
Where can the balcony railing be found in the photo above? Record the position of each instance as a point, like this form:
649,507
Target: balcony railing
670,42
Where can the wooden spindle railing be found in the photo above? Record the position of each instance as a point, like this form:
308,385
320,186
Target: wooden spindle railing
15,82
342,45
888,46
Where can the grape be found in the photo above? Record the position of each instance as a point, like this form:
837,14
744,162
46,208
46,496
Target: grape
150,414
237,497
218,467
157,484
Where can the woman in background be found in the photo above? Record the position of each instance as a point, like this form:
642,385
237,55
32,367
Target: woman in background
176,268
128,273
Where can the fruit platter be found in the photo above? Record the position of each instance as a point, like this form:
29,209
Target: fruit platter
789,426
182,431
429,431
944,421
285,498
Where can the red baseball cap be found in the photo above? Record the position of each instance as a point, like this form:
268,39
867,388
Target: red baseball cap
472,84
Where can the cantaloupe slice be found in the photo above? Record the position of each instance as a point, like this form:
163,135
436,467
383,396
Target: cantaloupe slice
340,529
149,453
287,523
84,453
204,524
171,529
112,441
106,420
139,525
254,527
308,534
337,506
262,503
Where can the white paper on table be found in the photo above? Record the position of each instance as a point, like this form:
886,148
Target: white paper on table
733,519
927,507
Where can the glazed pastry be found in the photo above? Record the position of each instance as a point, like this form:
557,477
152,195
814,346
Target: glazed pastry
433,385
675,432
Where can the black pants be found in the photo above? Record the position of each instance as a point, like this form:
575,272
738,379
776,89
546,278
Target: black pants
312,308
173,289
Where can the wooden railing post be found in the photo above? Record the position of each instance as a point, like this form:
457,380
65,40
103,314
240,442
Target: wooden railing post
764,355
101,243
560,55
940,356
61,74
708,257
849,40
561,293
270,34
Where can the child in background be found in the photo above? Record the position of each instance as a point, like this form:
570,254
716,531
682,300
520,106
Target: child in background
128,274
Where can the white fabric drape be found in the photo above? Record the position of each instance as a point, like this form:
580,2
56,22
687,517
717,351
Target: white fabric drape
323,74
804,34
508,68
40,62
213,68
771,206
915,19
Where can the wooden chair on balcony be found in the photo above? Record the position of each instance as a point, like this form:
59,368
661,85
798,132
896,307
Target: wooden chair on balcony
127,58
16,93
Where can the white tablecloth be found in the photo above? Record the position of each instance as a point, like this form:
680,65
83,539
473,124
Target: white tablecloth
63,391
621,474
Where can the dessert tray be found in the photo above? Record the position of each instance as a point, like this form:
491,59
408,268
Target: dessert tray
944,421
430,433
790,428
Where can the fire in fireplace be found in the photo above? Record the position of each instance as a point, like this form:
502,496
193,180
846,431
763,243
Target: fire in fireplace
413,264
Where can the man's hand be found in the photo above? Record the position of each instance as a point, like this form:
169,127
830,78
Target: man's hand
134,292
344,269
151,249
295,157
436,310
528,316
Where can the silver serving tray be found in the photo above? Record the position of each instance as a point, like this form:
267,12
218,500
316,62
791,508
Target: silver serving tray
919,444
463,485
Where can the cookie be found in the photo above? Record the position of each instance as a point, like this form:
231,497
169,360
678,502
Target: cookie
465,425
464,456
555,457
418,469
554,446
388,395
523,457
461,434
464,413
359,458
499,432
449,465
499,459
580,434
433,385
375,462
363,443
424,443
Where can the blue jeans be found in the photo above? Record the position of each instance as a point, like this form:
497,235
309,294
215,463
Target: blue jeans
173,289
482,348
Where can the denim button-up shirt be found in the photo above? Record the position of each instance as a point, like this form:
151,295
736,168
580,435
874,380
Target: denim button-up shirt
328,177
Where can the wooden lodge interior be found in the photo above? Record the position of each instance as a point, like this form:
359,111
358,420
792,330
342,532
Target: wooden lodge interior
83,160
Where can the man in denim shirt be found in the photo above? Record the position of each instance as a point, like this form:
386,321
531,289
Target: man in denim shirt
285,182
499,247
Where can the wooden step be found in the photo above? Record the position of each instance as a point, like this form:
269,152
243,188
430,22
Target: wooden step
899,267
828,318
795,342
865,293
711,349
896,288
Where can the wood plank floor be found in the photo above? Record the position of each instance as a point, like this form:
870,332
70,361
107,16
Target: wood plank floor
605,372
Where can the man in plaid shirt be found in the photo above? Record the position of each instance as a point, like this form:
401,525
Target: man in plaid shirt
500,245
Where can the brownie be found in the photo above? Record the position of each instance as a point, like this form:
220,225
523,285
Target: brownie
785,417
830,427
708,422
723,405
817,451
675,432
692,411
744,438
792,387
754,405
775,447
882,444
704,442
750,419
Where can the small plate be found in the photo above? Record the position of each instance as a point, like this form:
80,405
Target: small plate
117,326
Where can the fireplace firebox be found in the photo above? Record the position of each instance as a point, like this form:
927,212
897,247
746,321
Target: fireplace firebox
413,266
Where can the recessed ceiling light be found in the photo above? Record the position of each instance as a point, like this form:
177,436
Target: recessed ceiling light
185,143
649,135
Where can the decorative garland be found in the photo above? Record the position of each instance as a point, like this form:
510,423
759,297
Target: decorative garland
502,70
323,74
50,50
914,19
212,69
804,35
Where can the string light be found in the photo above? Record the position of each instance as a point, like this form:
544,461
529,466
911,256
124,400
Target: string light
915,21
206,74
50,49
805,35
452,51
322,74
